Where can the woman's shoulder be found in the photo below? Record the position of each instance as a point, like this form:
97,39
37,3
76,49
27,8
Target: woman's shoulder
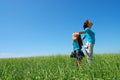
87,29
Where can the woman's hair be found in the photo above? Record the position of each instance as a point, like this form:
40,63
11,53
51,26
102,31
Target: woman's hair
87,23
80,41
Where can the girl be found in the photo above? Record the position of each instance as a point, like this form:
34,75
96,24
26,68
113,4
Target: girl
77,46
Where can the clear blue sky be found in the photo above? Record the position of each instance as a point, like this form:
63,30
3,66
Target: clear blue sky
44,27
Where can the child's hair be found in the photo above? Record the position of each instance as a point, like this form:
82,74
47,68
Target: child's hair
80,41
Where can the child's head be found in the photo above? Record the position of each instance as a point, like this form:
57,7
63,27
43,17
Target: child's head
75,36
87,23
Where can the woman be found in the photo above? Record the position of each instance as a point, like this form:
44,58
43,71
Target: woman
90,36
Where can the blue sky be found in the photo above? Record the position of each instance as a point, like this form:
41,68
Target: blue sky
44,27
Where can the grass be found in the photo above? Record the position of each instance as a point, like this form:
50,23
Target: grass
104,67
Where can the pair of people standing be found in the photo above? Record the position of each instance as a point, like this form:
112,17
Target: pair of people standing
89,35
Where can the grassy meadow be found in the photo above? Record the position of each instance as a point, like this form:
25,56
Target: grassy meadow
61,67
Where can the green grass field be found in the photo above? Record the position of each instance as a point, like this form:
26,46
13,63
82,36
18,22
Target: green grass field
61,67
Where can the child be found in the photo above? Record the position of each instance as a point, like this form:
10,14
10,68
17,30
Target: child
90,36
77,46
